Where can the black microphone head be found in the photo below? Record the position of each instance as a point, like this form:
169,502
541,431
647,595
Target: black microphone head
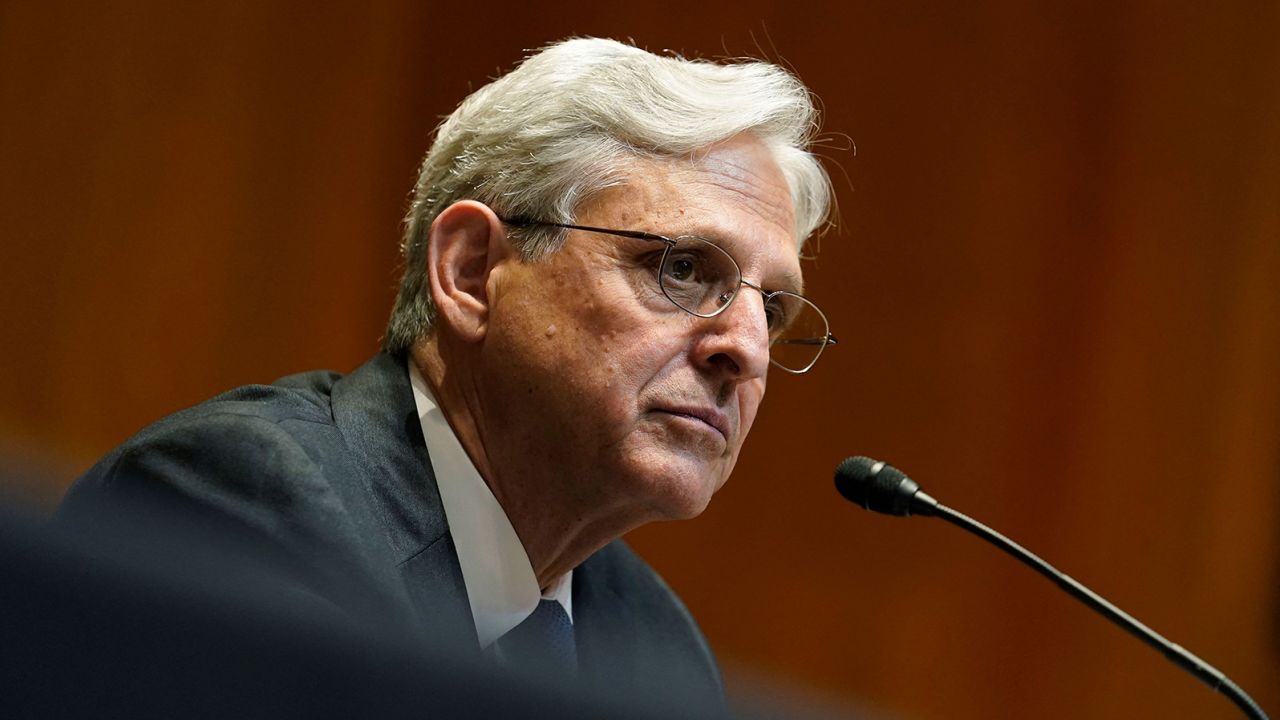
878,487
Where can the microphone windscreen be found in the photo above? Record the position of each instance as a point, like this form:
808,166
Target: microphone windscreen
875,486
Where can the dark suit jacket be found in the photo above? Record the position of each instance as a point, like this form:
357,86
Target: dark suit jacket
326,479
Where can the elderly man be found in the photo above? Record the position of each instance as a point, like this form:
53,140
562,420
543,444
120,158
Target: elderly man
601,265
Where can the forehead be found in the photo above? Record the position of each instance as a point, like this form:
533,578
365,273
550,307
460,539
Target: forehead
732,192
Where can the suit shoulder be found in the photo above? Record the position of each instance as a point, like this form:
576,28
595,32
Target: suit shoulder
262,469
241,439
645,618
619,568
303,396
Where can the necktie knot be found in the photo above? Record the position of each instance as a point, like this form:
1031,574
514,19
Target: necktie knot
543,643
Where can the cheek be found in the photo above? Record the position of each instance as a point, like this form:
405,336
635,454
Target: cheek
750,395
630,343
588,336
599,357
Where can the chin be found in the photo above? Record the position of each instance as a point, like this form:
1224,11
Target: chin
667,479
683,492
684,507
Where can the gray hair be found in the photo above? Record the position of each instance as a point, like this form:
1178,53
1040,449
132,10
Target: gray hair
562,126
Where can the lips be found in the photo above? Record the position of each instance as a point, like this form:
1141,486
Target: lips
709,416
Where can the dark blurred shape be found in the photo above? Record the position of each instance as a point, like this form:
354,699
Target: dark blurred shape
144,613
109,619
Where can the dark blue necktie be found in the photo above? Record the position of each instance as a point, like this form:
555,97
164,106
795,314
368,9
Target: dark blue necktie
543,644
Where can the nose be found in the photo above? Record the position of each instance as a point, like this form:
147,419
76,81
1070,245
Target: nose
736,342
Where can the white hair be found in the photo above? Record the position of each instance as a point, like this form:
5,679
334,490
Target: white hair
563,125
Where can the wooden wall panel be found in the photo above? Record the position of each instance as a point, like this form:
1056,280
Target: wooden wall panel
1055,283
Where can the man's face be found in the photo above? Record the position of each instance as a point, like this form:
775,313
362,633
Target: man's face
608,395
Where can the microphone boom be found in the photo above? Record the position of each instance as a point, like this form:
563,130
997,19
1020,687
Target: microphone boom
883,488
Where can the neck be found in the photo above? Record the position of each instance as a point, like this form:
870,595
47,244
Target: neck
557,533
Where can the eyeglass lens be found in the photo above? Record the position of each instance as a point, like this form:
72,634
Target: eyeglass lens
701,278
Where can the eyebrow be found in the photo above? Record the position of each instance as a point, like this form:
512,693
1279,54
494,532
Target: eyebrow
792,281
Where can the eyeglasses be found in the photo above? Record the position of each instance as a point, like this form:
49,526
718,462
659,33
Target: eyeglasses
700,278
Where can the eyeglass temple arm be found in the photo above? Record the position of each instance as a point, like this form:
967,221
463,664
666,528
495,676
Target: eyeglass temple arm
828,340
634,234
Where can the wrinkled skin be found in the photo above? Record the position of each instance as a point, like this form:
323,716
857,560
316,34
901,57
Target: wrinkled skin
589,403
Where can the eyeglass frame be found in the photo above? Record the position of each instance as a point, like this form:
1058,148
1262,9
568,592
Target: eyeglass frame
670,243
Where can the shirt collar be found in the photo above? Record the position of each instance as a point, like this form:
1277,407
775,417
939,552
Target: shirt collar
501,586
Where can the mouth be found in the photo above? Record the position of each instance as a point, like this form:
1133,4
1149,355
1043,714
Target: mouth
710,417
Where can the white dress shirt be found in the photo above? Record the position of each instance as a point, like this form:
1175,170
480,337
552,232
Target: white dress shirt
501,586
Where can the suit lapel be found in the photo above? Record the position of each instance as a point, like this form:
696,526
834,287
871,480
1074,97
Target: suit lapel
606,635
373,408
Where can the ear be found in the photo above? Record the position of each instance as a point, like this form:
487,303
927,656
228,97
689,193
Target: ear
466,242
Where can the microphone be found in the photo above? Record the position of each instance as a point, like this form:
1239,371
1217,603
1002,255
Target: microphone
882,488
885,489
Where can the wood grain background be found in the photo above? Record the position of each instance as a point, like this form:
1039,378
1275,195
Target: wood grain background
1054,281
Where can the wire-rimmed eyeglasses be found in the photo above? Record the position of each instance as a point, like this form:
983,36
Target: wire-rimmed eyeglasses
702,279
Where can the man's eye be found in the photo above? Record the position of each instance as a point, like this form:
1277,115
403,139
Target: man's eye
681,269
776,317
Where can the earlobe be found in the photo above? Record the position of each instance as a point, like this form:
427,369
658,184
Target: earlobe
466,241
